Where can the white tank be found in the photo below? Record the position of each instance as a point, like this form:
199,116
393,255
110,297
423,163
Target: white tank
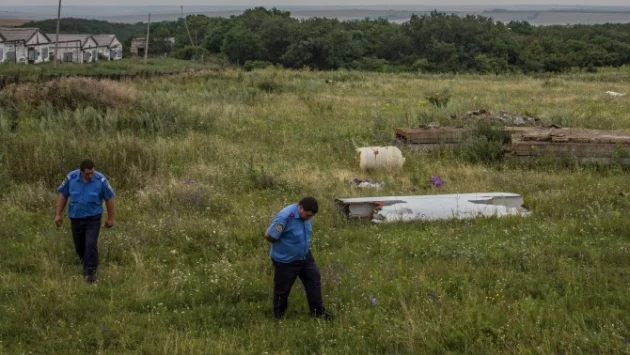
375,158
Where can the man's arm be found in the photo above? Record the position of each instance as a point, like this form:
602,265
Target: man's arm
61,204
273,233
109,204
108,195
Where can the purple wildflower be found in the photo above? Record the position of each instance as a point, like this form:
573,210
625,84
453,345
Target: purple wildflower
437,181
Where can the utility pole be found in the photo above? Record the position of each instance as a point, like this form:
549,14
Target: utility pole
56,37
146,47
186,24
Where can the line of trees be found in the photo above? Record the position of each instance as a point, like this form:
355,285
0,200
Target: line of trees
435,42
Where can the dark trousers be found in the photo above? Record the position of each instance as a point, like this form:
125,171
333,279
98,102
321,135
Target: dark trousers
284,277
85,235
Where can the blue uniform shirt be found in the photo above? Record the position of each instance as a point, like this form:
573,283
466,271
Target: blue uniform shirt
292,235
86,198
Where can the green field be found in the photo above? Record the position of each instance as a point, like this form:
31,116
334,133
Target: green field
125,66
202,162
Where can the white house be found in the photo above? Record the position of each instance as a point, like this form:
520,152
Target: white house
24,45
81,48
109,46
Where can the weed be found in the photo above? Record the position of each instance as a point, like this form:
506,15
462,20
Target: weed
440,98
486,143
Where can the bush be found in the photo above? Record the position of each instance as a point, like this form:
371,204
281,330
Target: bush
421,64
486,143
439,99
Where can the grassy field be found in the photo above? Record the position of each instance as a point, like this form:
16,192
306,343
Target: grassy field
201,163
124,66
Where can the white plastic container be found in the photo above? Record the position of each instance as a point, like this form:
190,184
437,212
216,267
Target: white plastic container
380,158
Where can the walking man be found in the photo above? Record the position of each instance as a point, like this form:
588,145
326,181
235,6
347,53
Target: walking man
86,188
290,235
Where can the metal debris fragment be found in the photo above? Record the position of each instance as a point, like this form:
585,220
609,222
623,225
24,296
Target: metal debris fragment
433,207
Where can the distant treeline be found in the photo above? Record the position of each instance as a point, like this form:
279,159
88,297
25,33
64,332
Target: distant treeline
435,42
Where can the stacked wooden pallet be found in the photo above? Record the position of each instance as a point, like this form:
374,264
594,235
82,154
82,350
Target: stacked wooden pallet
584,145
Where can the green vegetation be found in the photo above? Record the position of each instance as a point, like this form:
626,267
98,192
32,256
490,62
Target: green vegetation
125,66
202,161
435,42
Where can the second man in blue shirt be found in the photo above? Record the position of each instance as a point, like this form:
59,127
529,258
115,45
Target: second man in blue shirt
290,235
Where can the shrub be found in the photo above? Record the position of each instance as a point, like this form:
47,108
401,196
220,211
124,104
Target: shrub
421,64
486,143
439,99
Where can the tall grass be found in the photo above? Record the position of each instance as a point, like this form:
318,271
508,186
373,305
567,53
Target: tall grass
202,163
70,93
124,66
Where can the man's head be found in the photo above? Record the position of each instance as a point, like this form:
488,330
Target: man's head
307,208
87,169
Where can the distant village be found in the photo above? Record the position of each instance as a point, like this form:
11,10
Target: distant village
31,46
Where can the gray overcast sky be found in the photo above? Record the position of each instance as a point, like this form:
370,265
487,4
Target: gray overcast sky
269,3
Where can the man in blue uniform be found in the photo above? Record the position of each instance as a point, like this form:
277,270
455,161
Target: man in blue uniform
86,189
290,235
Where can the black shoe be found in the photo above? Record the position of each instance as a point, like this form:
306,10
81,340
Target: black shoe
90,278
278,316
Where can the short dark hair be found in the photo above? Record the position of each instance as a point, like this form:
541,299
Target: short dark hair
87,164
309,204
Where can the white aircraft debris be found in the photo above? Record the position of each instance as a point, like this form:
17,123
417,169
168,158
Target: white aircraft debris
433,207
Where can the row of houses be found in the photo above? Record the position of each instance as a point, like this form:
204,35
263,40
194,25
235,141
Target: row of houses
31,46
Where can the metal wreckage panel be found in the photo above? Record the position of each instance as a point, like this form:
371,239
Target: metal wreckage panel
433,207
